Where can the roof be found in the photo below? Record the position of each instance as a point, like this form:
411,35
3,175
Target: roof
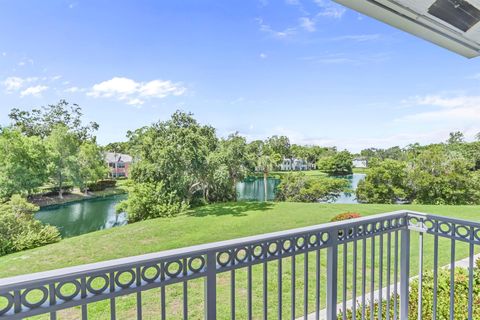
452,24
117,157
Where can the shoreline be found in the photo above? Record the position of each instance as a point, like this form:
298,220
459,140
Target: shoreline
47,202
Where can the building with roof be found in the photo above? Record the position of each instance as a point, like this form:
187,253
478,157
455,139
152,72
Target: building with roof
119,164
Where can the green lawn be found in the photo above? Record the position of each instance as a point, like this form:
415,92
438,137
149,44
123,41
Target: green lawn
214,223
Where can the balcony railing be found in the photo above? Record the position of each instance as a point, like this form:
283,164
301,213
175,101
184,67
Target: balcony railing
315,272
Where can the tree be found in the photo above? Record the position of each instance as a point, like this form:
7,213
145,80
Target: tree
63,147
176,153
118,147
339,164
266,163
477,136
456,137
41,122
91,165
384,183
438,176
280,145
231,157
23,163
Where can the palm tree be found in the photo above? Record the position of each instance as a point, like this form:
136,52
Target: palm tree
266,163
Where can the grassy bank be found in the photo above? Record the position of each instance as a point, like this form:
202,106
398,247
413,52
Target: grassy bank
207,224
77,195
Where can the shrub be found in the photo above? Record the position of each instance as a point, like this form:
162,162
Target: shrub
338,164
19,230
443,296
101,185
151,200
345,216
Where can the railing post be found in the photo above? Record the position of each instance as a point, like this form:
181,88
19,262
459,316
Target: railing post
404,272
332,269
211,287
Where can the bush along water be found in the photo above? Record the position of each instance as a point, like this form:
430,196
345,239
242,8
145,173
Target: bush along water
19,230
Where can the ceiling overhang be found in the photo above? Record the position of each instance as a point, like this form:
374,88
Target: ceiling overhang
452,24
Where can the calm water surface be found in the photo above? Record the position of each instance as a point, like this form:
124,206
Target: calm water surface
85,216
252,189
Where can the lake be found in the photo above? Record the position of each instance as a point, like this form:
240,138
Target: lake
85,216
252,189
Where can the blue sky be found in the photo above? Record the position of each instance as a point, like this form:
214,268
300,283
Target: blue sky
309,69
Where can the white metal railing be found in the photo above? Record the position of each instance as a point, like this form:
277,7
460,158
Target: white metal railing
363,256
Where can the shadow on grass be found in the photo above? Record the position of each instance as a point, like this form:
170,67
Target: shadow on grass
237,209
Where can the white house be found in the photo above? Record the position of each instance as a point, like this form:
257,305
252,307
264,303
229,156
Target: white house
294,164
359,163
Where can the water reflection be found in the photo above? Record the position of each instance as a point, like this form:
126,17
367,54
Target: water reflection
85,216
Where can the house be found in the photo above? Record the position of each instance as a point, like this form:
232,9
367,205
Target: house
118,163
294,164
359,163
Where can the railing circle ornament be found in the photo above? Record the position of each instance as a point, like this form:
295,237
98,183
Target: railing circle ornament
444,228
153,277
102,288
241,255
429,224
67,297
200,267
300,242
287,245
477,234
325,237
258,251
273,248
223,258
9,303
37,304
462,232
127,284
172,264
313,240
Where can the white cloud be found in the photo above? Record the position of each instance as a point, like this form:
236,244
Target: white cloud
263,55
133,92
16,83
282,34
12,83
307,24
292,2
330,9
4,54
33,91
446,109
